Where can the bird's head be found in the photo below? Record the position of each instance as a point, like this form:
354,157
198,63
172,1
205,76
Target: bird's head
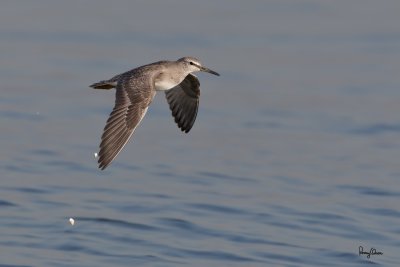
193,65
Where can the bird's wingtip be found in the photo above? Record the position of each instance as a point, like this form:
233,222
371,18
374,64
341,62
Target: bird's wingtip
102,164
102,167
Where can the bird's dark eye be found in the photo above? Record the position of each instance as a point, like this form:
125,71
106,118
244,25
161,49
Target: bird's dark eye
191,63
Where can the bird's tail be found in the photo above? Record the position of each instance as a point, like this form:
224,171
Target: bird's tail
104,85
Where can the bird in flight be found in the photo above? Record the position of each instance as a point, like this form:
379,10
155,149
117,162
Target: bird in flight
135,90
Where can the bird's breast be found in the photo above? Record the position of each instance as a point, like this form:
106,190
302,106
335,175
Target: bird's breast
165,82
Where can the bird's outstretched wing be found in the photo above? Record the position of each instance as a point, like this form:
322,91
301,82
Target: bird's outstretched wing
131,103
183,101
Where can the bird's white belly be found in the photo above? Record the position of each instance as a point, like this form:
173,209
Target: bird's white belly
165,84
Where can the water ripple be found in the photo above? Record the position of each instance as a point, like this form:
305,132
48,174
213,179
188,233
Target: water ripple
17,115
4,203
29,190
367,190
23,168
217,208
261,125
240,238
224,176
182,224
378,128
384,212
280,257
44,152
136,226
208,254
68,165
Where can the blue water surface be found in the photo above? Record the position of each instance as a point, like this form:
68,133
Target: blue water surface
293,159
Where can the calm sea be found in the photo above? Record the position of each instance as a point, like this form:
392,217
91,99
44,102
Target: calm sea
294,159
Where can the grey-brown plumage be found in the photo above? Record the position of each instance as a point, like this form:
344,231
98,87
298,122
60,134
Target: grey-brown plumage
135,91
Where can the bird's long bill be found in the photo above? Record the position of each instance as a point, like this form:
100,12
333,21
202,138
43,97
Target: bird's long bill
209,71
